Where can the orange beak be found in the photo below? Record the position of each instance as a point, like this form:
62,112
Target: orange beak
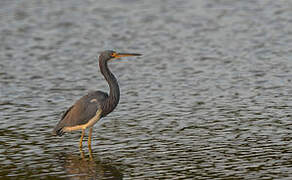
118,55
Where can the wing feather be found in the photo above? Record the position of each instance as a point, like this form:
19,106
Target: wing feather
82,111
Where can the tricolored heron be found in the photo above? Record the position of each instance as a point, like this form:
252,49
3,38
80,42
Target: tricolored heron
95,105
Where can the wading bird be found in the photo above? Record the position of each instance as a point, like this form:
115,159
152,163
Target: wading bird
95,105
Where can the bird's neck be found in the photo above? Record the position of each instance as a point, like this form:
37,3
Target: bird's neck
114,95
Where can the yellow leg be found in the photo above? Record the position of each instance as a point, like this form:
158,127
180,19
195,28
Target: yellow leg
90,153
81,138
89,143
89,138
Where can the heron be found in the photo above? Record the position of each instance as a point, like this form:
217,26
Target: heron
89,109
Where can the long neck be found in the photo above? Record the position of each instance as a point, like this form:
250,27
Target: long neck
114,95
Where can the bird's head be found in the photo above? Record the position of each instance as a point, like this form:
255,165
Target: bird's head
109,54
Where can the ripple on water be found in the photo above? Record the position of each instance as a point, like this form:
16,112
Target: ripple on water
209,98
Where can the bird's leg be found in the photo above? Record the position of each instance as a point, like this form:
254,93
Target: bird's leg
89,143
81,138
89,138
91,123
90,153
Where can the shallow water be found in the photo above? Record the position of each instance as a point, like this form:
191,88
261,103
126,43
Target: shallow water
209,99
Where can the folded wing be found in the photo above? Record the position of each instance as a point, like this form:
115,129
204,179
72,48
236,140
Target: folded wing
81,112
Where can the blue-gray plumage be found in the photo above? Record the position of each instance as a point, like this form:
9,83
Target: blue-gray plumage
95,105
82,111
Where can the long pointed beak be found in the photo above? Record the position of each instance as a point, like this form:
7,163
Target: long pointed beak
118,55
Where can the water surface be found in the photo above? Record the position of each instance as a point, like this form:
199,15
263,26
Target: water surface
209,99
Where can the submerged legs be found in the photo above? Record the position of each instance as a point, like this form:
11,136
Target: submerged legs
89,143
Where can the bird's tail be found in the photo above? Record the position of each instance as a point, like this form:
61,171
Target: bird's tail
58,131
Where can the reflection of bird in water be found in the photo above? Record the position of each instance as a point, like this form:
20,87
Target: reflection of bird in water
87,168
95,105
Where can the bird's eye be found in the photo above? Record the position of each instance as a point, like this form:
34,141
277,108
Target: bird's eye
113,55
